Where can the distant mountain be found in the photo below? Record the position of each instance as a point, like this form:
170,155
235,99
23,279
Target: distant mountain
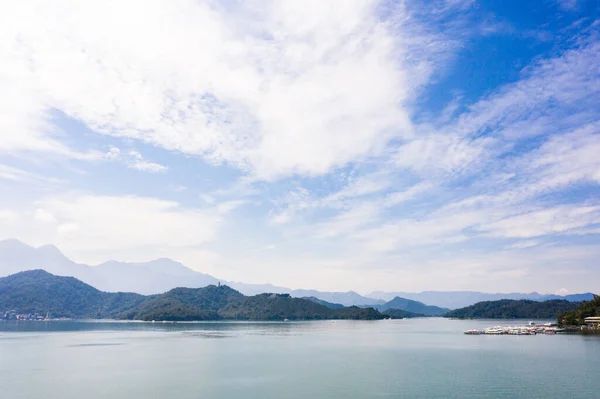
324,303
161,275
349,298
411,306
460,299
37,291
16,256
515,309
255,289
153,277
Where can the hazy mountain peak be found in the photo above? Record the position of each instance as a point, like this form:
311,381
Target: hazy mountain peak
13,243
50,250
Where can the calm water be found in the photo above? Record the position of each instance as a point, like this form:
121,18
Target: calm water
419,358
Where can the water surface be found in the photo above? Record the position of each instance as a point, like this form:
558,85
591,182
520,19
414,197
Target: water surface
418,358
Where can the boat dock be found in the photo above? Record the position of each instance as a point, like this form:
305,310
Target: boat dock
531,329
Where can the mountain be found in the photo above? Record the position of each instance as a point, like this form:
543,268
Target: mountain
153,277
411,306
515,309
460,299
324,303
161,275
37,291
182,304
349,298
16,256
284,306
576,317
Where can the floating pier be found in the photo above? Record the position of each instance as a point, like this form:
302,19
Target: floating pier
531,329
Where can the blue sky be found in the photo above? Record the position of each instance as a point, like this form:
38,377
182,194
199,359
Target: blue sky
445,145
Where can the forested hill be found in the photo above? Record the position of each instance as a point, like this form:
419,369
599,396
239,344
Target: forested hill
414,307
324,303
514,309
577,316
37,291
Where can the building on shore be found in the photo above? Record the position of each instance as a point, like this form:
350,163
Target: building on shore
592,321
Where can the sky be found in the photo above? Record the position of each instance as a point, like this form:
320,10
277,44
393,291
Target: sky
356,145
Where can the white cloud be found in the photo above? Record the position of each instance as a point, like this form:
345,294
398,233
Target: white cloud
524,244
44,216
349,221
207,198
300,88
13,174
364,185
228,206
105,222
263,88
8,215
96,228
145,166
178,188
555,220
399,197
568,5
134,160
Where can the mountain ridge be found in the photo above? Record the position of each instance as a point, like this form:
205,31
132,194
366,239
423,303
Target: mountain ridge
413,307
160,275
40,292
515,309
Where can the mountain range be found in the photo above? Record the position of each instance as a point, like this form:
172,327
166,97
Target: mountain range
161,275
39,292
461,299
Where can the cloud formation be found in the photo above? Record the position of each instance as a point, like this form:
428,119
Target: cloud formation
341,139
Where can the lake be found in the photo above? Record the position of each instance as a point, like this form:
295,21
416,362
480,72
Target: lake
414,358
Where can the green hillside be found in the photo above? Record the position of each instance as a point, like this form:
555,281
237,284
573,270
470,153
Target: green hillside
411,306
40,292
37,291
585,309
514,309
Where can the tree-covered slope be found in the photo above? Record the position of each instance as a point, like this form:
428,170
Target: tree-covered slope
330,305
585,309
181,304
514,309
283,306
37,291
275,307
412,307
40,292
